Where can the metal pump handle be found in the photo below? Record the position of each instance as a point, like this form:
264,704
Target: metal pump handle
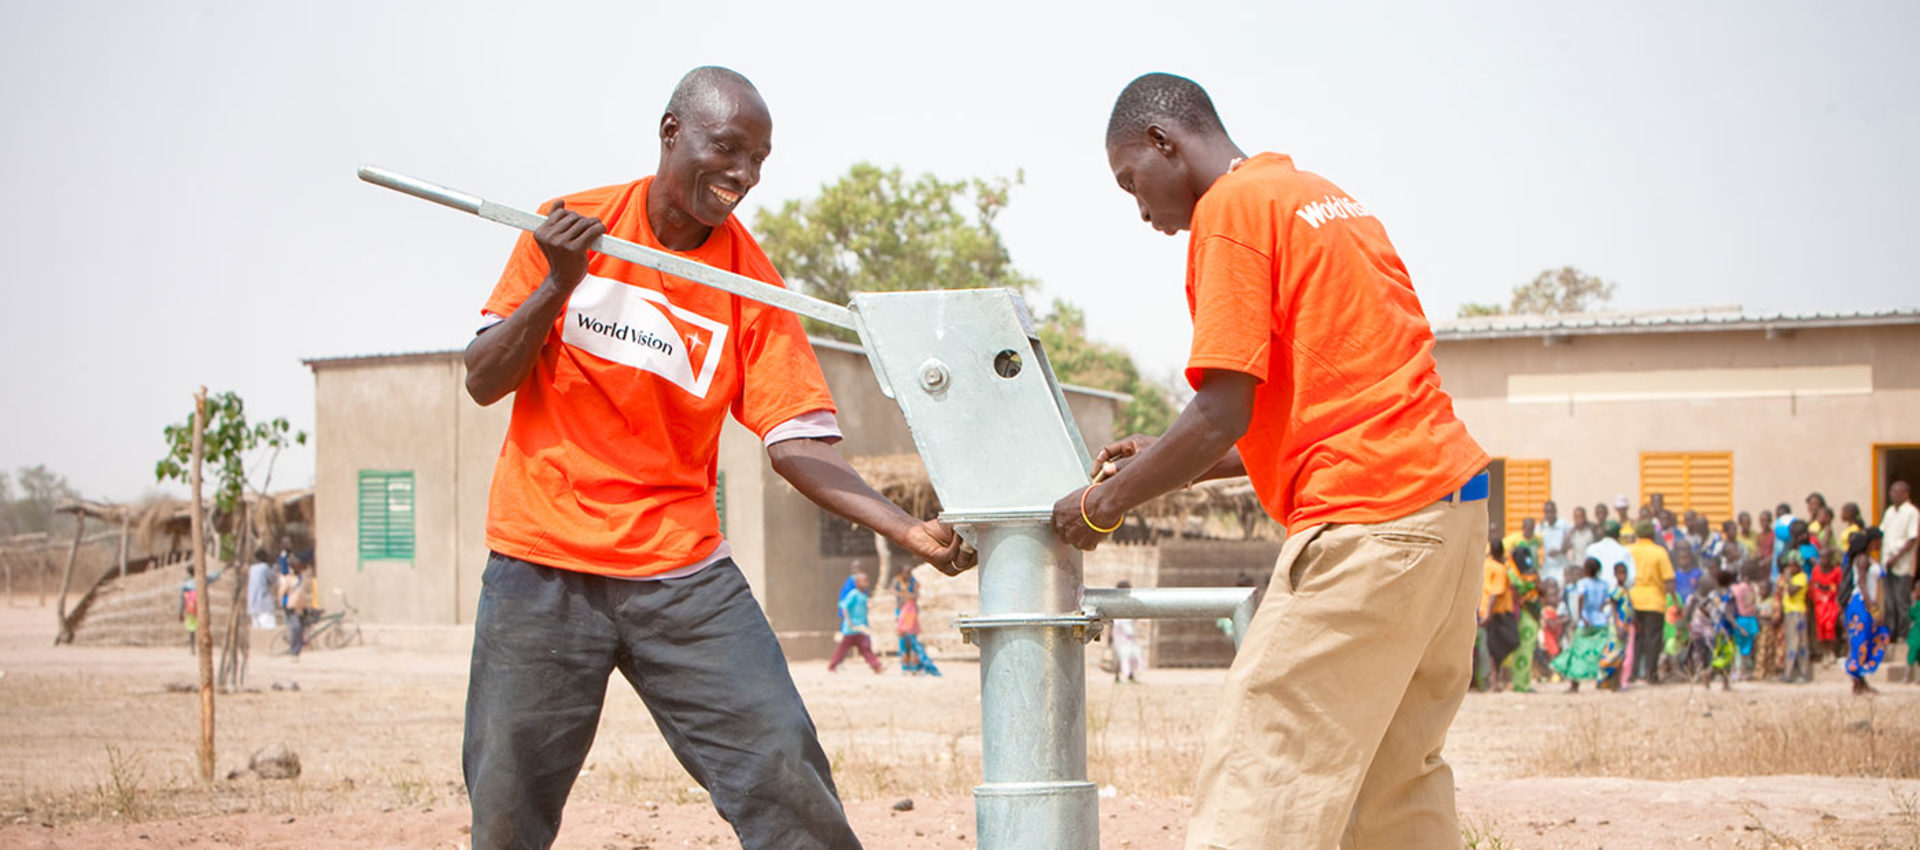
640,255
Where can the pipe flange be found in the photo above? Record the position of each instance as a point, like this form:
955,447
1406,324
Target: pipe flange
1085,628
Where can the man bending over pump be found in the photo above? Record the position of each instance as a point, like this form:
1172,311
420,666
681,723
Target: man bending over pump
1314,373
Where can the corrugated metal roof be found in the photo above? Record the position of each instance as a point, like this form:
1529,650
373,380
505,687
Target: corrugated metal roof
1701,320
317,363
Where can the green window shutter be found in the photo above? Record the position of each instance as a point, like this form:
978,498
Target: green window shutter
386,515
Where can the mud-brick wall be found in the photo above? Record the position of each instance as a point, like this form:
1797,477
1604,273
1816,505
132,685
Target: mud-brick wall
143,609
1206,563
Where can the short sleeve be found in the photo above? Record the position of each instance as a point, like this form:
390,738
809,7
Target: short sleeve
525,270
779,377
1232,292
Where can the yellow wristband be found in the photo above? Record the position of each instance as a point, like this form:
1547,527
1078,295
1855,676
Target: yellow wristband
1089,520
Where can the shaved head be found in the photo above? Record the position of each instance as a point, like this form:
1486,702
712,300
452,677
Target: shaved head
708,89
1162,99
714,137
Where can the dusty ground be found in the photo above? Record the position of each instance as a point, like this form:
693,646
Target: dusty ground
96,752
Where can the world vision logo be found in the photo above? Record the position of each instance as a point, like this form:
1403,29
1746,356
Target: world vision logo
640,328
1330,207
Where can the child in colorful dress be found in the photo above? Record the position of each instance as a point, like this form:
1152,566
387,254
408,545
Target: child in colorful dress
1524,579
1767,649
1746,615
1793,604
1613,659
906,624
1553,627
855,634
1867,635
1590,629
1724,649
1703,615
1829,639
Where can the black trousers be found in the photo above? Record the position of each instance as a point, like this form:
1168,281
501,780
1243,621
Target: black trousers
1649,640
703,659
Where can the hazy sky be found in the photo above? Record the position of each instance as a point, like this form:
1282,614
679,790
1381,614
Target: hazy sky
182,208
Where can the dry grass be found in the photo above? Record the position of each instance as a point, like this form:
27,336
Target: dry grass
1906,819
121,796
1142,744
1482,834
1138,740
1728,736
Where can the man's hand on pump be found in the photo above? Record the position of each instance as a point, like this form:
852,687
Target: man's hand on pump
938,544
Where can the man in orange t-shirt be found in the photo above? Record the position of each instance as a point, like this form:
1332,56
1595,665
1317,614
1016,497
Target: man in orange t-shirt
1314,377
607,551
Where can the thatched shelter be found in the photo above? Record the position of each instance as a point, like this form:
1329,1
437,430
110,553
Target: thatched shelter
112,542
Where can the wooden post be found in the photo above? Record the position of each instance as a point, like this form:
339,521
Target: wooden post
203,634
65,635
126,524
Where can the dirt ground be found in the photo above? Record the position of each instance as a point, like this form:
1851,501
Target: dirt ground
96,751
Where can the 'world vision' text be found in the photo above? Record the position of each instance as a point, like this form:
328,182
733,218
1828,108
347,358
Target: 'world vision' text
625,333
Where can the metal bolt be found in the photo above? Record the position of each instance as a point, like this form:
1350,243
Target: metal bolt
934,376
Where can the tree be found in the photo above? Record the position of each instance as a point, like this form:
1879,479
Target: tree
874,231
230,438
1554,291
31,510
1078,360
228,441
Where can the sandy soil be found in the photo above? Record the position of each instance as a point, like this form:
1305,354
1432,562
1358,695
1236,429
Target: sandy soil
95,751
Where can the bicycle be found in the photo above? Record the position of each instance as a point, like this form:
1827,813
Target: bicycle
326,631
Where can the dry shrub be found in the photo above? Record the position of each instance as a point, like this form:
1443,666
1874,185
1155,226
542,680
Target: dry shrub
1726,736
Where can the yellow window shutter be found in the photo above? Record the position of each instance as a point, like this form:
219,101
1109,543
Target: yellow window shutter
1690,481
1529,486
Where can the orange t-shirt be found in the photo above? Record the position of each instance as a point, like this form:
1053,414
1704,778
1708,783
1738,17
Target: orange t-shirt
1292,282
610,457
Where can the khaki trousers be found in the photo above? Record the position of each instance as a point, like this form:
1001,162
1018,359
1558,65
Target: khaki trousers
1335,711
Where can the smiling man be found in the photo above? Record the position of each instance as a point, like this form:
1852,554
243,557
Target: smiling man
607,552
1314,377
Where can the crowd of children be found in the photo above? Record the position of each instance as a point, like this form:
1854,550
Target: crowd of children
1620,598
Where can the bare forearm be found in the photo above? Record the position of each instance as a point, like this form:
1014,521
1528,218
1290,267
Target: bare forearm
501,357
1198,445
821,474
1230,466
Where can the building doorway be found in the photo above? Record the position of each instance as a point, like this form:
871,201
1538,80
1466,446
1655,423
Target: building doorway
1518,488
1892,462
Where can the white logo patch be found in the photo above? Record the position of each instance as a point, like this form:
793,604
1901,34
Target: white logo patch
639,327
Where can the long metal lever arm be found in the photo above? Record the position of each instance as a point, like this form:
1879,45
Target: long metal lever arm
640,255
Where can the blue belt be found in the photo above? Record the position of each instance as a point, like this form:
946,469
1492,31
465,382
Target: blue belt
1475,490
